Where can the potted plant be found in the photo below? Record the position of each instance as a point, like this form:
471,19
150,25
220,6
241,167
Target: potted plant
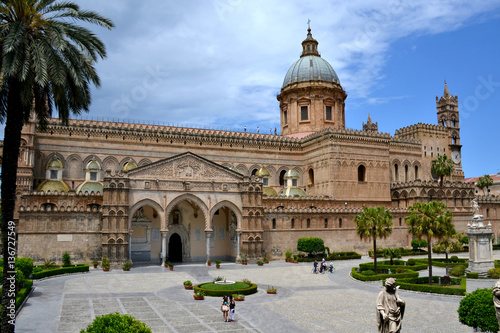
126,266
166,263
188,285
260,263
266,261
95,263
243,256
238,297
199,295
105,263
170,266
217,263
209,262
271,290
288,255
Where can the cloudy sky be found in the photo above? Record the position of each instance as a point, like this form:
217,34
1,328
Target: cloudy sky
221,63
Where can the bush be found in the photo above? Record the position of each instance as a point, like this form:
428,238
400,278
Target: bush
399,270
368,273
59,271
114,322
454,259
458,270
494,273
408,273
471,275
25,265
411,262
105,263
420,284
446,280
310,244
477,310
246,289
66,259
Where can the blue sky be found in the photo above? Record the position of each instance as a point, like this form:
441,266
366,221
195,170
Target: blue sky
221,63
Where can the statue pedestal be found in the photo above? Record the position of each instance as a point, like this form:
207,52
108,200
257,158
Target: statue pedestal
480,246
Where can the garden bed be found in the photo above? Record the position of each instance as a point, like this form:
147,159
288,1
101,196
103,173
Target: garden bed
217,290
59,271
457,286
407,273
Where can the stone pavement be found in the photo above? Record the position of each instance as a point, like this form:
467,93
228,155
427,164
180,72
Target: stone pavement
304,303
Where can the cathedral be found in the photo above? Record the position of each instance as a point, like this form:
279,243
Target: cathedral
147,192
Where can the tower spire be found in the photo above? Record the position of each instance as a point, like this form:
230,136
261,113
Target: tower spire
446,91
309,45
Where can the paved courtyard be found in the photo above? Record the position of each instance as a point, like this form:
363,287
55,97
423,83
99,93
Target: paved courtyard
305,302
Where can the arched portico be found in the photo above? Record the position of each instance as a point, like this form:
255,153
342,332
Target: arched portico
145,219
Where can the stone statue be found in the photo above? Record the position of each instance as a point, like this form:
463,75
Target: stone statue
475,207
390,308
496,299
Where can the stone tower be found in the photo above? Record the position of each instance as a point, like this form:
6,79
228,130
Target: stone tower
311,96
447,114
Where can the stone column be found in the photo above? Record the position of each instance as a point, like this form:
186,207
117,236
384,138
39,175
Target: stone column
208,236
238,246
163,247
130,245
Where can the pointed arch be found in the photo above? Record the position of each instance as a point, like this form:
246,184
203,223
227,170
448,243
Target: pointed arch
192,197
147,202
233,207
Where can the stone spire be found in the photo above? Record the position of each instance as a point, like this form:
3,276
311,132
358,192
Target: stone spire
309,45
446,93
370,126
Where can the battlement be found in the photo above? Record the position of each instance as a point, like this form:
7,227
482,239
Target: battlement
348,133
356,211
412,130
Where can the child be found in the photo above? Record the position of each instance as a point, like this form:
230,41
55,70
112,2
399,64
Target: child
232,305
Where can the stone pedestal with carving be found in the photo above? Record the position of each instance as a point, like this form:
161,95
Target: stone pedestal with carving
480,246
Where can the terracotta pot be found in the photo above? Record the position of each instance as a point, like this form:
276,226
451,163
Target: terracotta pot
260,264
188,287
287,259
95,266
198,298
218,266
244,262
105,269
239,299
209,263
171,268
166,265
272,292
126,269
267,262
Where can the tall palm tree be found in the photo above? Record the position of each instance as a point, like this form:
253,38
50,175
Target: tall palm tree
484,182
429,220
442,166
374,222
47,62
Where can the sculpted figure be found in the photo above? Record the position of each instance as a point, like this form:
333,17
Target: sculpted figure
390,308
496,299
475,207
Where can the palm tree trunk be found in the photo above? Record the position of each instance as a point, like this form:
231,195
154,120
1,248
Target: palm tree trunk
375,254
12,139
429,256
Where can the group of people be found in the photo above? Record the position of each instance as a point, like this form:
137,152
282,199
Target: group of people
323,267
227,307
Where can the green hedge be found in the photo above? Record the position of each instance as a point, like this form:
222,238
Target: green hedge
382,265
344,256
407,274
22,294
443,264
419,284
60,271
496,246
252,289
471,275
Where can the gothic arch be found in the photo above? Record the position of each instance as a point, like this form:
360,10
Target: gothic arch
74,167
144,162
243,169
252,168
110,163
124,161
92,158
235,209
183,233
146,202
188,196
55,155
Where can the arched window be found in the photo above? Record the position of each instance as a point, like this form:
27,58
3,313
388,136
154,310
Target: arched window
282,177
361,173
400,221
406,173
416,172
396,172
274,223
326,223
293,223
254,171
454,140
311,177
340,223
308,223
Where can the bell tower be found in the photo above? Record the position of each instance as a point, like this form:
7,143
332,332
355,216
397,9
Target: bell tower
448,116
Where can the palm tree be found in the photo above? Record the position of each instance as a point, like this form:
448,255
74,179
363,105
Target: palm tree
429,220
442,166
484,182
47,62
375,222
449,242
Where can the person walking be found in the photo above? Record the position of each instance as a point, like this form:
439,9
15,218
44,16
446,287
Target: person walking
232,306
225,309
315,267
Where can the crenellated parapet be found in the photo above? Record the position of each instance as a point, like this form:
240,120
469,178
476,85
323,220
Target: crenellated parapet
314,210
413,131
348,135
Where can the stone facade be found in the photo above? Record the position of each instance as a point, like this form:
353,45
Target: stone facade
191,194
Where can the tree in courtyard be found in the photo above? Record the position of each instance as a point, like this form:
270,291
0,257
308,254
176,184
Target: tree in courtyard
392,253
373,223
48,62
430,221
442,167
311,245
484,182
450,242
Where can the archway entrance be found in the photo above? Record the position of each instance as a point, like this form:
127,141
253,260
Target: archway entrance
175,248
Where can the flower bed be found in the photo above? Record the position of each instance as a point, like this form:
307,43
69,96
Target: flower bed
212,289
408,273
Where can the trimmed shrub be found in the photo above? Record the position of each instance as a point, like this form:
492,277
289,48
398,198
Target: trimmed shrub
471,275
25,265
410,262
66,259
59,271
477,310
116,323
420,284
494,273
454,259
310,245
458,270
360,276
368,273
399,270
247,289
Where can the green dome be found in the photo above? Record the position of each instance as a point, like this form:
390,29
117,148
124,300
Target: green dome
93,165
53,185
90,187
269,191
263,172
291,192
291,174
54,164
129,166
